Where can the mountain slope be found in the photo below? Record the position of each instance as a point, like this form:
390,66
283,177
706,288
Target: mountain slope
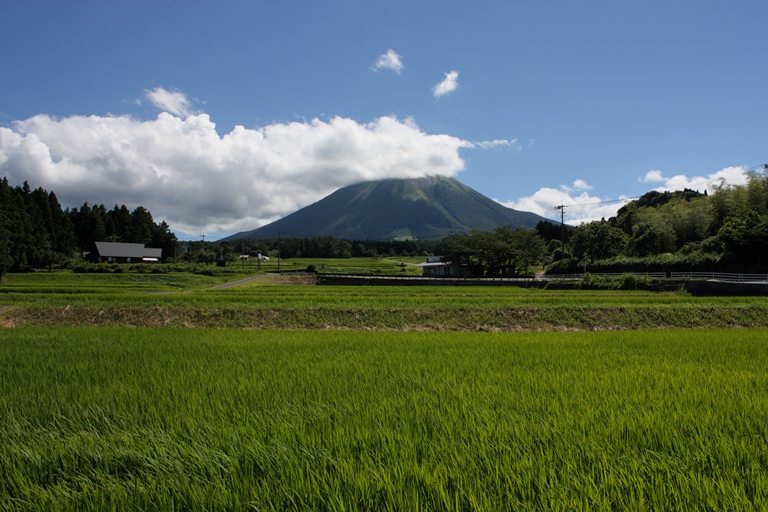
424,208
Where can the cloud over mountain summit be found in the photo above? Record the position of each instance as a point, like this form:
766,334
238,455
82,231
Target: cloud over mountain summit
183,171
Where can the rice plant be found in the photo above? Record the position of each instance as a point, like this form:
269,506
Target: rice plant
197,419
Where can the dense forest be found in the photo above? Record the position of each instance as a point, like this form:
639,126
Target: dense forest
35,232
726,231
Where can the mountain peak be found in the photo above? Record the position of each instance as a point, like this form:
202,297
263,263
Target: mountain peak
428,208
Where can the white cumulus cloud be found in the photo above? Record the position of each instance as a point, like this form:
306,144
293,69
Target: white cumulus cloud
448,85
489,144
578,208
586,208
184,172
580,184
174,102
653,176
390,60
728,176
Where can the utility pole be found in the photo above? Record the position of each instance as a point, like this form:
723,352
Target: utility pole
562,229
278,251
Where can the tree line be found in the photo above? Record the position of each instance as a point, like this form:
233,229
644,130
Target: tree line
726,231
502,252
328,247
36,232
684,230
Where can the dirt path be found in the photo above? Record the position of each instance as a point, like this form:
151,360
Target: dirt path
237,283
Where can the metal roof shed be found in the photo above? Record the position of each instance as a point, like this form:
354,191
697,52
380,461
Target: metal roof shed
119,252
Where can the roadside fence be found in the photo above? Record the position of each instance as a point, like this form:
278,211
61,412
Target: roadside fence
720,276
709,276
655,275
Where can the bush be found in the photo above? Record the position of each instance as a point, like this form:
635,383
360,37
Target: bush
92,268
667,262
593,282
564,266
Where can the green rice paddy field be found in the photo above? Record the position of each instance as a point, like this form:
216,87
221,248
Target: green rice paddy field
274,302
100,411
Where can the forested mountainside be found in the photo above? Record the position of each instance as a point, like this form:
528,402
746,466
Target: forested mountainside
686,230
427,208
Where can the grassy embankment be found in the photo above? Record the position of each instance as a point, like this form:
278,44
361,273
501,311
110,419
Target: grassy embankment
164,419
188,300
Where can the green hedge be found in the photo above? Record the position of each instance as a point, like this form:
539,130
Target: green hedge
692,262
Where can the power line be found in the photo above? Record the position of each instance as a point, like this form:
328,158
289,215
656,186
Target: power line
755,168
608,201
562,229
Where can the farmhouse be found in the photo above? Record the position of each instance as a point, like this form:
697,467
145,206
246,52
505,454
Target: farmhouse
436,267
114,252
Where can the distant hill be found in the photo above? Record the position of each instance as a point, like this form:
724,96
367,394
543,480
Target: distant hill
396,209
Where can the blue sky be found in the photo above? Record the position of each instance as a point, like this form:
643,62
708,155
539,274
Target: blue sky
223,116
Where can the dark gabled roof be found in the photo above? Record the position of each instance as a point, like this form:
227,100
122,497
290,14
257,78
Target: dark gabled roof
151,252
125,250
119,250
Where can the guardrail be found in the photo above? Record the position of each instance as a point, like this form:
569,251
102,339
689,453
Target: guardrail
721,276
710,276
655,275
392,277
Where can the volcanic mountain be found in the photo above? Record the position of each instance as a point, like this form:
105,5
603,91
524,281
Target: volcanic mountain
396,209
